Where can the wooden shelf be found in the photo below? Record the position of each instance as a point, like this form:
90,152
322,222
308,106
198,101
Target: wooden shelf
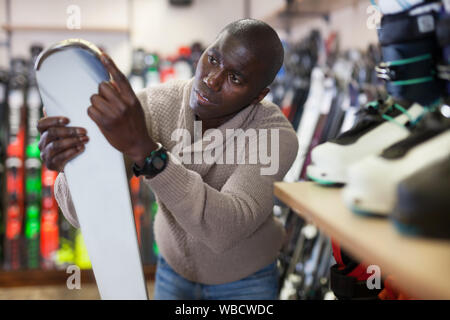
63,29
26,278
421,266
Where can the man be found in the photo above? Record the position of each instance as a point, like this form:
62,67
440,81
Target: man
215,229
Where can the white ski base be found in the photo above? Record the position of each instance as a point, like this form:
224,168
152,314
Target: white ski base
97,178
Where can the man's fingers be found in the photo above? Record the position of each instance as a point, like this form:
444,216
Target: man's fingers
96,116
59,161
56,153
58,146
104,107
48,122
119,78
55,133
111,67
109,93
114,85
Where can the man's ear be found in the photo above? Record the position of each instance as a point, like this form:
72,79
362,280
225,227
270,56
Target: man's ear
261,95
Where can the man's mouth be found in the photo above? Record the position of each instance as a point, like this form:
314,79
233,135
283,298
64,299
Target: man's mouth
203,99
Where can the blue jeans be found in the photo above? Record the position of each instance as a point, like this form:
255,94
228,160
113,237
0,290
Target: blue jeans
262,285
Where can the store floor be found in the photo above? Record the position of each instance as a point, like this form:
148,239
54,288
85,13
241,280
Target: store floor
86,292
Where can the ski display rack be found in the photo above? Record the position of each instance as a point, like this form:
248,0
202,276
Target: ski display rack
320,90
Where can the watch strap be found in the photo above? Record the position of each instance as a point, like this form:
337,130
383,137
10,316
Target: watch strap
154,163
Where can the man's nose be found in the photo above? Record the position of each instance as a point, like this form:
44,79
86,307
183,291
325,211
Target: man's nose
214,80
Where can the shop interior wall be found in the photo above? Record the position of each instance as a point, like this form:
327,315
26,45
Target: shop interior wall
356,25
154,24
53,13
157,26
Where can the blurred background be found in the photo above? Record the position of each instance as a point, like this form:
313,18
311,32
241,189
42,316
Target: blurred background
153,41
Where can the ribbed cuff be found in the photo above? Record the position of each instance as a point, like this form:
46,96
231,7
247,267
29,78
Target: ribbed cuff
64,200
174,183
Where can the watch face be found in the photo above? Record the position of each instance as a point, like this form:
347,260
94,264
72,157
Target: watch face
158,163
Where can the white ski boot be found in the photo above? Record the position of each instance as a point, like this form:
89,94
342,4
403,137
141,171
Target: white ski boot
372,182
370,135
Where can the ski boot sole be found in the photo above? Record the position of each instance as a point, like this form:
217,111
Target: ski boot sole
323,177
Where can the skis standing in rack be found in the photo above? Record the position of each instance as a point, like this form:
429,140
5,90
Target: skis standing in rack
32,167
15,166
4,79
49,233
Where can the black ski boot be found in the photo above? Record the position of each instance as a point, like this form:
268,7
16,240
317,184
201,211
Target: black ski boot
423,207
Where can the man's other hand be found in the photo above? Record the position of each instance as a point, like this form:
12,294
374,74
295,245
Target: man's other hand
59,143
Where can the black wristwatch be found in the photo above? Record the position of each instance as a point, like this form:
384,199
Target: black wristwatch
154,164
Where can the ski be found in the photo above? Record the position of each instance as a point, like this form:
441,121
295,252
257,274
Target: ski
4,79
137,77
49,233
32,167
311,113
106,197
328,103
15,166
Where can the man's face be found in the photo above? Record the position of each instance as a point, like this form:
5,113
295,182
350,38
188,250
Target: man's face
227,79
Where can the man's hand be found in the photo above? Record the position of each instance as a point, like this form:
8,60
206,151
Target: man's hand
118,113
59,143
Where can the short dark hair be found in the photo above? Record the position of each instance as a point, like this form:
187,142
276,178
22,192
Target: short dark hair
261,39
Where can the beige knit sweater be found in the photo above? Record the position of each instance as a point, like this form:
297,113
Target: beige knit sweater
214,223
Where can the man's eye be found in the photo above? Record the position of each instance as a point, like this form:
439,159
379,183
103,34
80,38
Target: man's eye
212,60
234,79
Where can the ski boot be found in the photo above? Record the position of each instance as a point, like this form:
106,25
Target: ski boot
442,34
423,205
371,134
371,189
396,6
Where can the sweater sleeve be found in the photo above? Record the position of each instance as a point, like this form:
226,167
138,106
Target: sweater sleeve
64,199
220,219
